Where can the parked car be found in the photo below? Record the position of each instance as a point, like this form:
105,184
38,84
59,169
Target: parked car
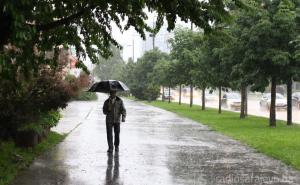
232,101
210,97
281,102
296,99
166,95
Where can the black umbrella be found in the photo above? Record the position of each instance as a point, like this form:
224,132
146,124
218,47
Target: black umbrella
108,85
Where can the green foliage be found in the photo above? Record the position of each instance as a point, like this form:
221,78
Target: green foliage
111,68
164,73
267,33
86,96
139,76
212,52
184,46
281,143
13,159
28,101
34,27
151,92
43,121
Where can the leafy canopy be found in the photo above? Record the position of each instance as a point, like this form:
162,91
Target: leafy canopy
33,27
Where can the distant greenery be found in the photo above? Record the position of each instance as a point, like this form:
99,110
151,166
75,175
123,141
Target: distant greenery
86,96
13,159
111,68
258,48
282,143
142,77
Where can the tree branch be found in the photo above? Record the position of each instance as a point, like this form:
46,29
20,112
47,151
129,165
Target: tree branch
63,21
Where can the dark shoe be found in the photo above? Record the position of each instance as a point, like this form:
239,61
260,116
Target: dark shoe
110,150
117,149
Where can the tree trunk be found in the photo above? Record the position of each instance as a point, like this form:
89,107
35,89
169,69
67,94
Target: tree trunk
289,102
220,99
203,98
163,93
180,94
169,94
243,102
246,102
272,121
191,96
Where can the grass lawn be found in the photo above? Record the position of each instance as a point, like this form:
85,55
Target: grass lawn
13,159
282,142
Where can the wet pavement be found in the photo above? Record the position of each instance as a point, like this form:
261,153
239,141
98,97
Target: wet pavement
157,148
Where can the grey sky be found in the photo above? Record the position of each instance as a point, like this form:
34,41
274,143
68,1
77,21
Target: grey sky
126,39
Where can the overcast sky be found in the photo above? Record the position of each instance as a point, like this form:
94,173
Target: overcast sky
126,39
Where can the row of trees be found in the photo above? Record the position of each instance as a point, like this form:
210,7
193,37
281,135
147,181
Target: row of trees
259,47
30,79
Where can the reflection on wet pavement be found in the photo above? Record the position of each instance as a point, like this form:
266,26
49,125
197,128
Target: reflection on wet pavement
157,148
112,171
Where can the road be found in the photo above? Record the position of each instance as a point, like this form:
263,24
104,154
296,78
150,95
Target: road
157,148
253,107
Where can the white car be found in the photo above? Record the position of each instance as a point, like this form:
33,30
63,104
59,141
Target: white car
210,97
231,100
281,102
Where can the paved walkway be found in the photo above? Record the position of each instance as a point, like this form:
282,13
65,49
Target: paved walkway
157,147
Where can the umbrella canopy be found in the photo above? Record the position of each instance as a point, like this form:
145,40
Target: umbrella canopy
108,85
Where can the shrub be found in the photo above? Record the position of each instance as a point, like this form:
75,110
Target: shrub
151,92
25,95
73,84
86,96
49,92
83,80
24,101
43,121
148,92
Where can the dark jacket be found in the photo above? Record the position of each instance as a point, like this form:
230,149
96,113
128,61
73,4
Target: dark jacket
114,111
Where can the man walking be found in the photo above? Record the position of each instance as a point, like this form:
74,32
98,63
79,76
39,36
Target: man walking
113,108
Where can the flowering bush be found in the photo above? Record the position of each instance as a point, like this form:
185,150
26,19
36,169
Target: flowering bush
25,101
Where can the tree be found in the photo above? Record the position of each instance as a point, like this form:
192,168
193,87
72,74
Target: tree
139,78
183,47
201,72
268,56
164,74
178,77
110,68
233,54
216,66
30,28
127,72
